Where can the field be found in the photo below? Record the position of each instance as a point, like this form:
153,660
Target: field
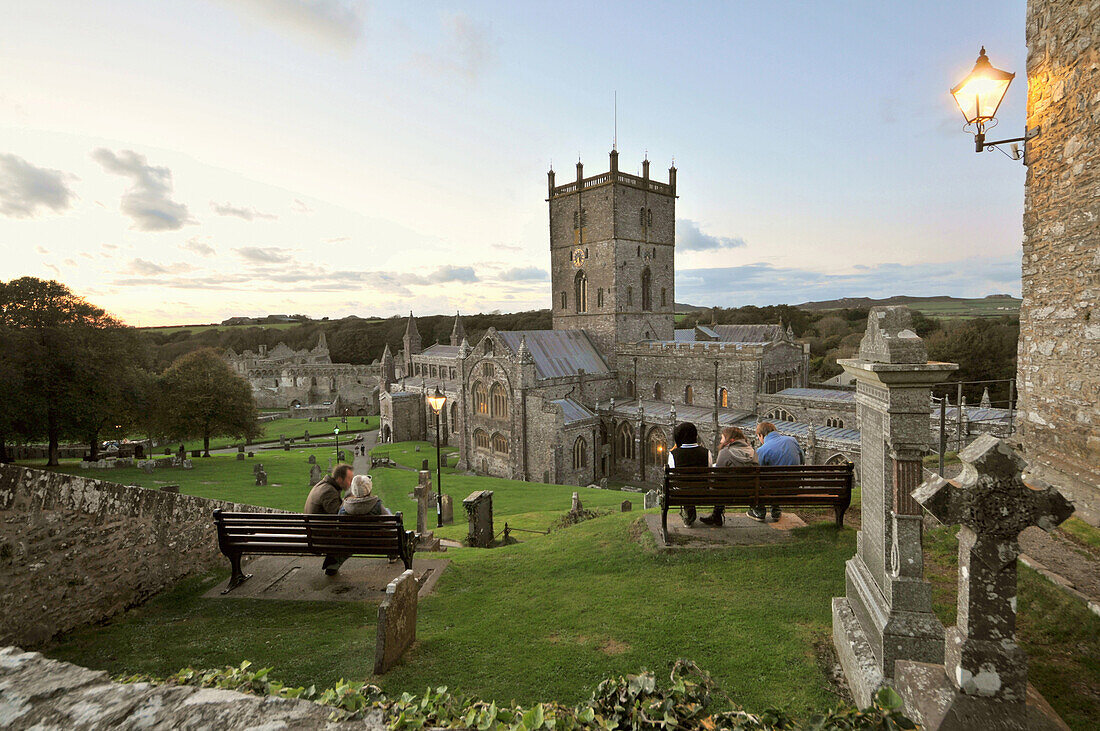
293,428
971,308
173,329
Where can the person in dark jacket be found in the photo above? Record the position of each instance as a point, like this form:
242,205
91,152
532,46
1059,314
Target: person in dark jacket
687,453
324,499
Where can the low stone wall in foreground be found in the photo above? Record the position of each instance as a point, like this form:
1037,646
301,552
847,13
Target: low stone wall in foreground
74,551
36,692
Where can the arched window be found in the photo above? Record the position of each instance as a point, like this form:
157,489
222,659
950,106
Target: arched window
647,303
689,395
498,402
580,292
624,441
641,217
630,295
656,392
649,216
487,370
481,439
630,388
778,414
656,444
664,297
580,453
500,444
834,421
599,297
454,416
838,459
564,300
723,398
481,398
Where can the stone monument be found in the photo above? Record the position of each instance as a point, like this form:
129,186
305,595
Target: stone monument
886,613
448,510
479,513
425,539
312,459
396,621
315,474
261,478
983,680
652,499
626,506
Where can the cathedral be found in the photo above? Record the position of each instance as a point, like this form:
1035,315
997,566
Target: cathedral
596,397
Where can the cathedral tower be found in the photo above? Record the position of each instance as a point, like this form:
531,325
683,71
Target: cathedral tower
612,255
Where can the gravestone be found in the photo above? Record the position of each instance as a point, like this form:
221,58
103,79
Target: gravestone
257,467
167,451
147,466
170,488
603,483
448,510
426,540
312,459
240,456
196,453
251,455
187,464
306,436
139,451
479,514
341,456
315,474
282,439
983,680
261,478
286,447
240,449
886,613
652,499
576,506
396,621
626,506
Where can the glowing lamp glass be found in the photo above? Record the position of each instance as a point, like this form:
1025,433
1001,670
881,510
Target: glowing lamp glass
436,401
980,93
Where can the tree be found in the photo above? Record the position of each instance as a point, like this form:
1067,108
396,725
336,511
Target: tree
199,397
58,335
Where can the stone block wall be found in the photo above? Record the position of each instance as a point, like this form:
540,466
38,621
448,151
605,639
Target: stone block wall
1059,351
74,551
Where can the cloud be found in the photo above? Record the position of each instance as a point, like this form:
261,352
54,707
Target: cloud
248,214
24,188
326,24
467,50
41,250
147,202
452,274
300,206
764,284
689,237
143,266
265,254
524,274
198,246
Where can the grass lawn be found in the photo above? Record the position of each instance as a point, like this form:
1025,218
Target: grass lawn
293,428
544,619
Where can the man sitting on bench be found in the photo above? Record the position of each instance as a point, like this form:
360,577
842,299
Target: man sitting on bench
324,499
687,453
778,450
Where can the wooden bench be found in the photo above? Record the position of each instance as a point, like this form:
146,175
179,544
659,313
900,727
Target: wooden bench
754,485
297,534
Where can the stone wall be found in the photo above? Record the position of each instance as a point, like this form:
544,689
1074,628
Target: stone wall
37,692
1059,351
74,551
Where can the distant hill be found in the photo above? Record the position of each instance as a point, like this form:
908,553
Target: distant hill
994,305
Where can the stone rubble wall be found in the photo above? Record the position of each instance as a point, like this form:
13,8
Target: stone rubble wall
74,550
1059,352
36,692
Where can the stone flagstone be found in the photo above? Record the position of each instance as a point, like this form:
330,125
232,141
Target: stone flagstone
983,682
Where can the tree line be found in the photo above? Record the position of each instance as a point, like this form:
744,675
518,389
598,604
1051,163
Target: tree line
72,372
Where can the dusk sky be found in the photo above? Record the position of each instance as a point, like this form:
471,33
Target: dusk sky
182,162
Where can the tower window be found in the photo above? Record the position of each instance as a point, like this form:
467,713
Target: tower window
724,398
564,300
664,297
689,395
656,392
630,295
580,292
599,297
576,220
641,217
647,304
649,217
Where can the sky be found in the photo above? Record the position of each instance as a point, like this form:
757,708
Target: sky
188,161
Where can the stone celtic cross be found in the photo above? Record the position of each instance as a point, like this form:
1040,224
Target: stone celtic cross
993,505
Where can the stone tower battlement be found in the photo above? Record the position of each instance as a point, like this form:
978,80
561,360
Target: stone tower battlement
612,252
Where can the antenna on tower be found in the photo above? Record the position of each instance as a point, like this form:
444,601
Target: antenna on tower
615,117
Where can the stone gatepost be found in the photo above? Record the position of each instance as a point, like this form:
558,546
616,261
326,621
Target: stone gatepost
983,682
479,513
886,614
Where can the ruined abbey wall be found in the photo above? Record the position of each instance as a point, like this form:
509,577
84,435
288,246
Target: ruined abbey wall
1059,352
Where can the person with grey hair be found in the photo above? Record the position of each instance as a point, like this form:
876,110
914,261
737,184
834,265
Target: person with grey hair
360,500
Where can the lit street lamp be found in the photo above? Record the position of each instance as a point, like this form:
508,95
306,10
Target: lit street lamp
336,431
436,401
978,97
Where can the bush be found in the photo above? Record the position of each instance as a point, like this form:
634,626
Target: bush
634,702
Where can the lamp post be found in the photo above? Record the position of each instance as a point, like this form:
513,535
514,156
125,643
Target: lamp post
436,401
978,97
336,431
